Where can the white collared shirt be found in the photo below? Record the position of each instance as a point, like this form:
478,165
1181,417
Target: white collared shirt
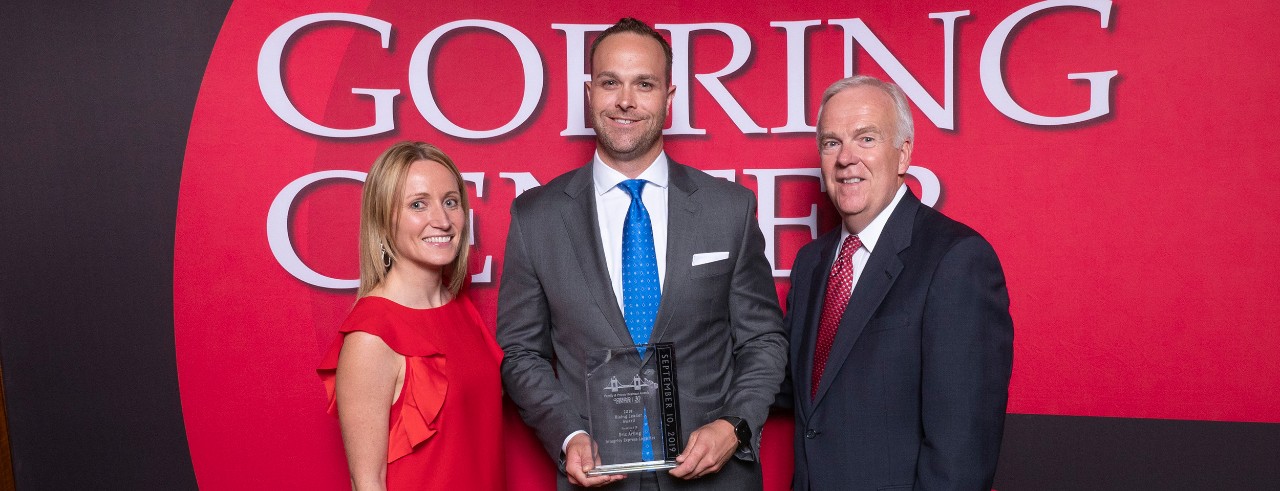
870,236
612,203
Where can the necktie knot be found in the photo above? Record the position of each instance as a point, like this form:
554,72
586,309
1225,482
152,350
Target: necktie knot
851,245
633,187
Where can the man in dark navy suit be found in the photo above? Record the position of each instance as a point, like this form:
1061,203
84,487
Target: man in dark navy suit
901,340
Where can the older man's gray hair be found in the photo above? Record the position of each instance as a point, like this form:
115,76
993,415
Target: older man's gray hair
905,130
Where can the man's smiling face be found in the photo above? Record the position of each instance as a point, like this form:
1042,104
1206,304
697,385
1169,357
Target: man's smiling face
629,97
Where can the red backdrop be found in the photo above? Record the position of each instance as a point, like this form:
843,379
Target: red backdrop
1130,211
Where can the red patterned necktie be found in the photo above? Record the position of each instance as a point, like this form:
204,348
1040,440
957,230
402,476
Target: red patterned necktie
839,286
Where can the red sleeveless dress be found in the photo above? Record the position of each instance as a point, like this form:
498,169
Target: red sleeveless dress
446,425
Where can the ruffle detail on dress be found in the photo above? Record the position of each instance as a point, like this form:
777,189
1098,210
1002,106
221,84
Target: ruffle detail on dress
414,416
426,383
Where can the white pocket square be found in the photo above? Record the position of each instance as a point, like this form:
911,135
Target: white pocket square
709,257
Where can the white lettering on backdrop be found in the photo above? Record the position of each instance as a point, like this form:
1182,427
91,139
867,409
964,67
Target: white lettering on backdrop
855,33
767,213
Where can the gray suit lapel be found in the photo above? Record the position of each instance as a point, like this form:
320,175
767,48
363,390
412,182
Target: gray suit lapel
881,271
682,210
579,213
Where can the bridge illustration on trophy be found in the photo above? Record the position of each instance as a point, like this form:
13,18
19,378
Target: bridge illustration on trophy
637,384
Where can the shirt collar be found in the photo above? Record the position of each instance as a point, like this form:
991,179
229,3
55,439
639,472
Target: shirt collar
607,178
871,234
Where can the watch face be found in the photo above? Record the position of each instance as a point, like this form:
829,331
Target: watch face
742,431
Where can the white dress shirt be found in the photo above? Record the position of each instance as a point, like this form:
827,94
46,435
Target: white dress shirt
869,236
612,203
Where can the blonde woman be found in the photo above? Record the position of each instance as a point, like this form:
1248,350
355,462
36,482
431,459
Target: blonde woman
413,375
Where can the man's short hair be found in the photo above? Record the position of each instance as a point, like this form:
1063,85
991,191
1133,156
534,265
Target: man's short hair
905,129
631,25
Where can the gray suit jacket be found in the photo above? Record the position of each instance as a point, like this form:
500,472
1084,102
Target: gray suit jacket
556,303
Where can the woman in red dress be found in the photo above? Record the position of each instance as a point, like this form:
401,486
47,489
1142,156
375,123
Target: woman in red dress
413,376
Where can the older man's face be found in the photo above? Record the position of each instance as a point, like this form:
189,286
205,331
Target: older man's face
860,166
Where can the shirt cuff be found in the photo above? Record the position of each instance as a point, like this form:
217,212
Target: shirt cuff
564,446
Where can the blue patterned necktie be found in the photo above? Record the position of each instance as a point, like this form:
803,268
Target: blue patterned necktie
641,291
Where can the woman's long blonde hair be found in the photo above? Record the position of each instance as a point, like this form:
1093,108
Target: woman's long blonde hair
379,210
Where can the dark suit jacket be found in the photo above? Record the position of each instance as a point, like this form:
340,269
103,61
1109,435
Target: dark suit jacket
917,380
556,303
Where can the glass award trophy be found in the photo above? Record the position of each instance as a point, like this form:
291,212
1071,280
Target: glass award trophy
633,408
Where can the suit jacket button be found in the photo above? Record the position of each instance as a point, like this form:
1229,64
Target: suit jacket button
810,434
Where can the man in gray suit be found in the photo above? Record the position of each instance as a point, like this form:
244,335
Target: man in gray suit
568,287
